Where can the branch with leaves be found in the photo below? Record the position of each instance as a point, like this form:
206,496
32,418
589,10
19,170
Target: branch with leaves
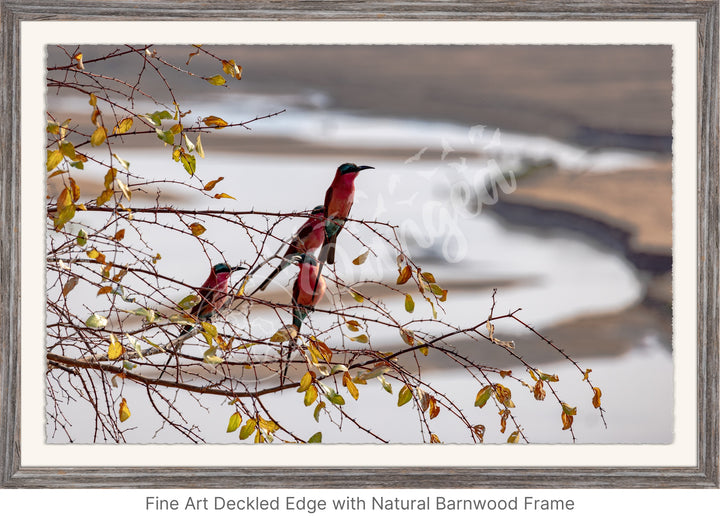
116,317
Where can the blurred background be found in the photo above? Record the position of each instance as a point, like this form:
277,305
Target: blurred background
542,171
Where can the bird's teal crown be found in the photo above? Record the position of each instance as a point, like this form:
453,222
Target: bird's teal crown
349,167
224,268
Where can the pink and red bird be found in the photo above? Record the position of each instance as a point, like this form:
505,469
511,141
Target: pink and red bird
308,238
308,291
339,199
213,293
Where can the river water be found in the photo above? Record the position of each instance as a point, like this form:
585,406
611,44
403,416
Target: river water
432,194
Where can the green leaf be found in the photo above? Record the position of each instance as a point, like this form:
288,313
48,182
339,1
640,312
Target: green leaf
334,397
68,150
96,321
247,429
234,422
189,301
318,408
188,162
158,116
82,237
166,136
315,438
409,303
404,395
386,385
483,396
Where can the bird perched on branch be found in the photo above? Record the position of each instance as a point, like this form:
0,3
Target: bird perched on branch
213,293
308,290
309,237
338,201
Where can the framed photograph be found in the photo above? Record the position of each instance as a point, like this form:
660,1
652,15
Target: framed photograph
452,249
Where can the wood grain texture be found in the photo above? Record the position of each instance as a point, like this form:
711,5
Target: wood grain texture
704,474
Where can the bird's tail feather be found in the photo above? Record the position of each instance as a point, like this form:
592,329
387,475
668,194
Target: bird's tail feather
273,274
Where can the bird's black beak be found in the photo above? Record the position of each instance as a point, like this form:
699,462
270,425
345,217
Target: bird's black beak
236,268
360,168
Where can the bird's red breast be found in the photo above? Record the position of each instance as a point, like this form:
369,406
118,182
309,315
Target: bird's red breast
310,286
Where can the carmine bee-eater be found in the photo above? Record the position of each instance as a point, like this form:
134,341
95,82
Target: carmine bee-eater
338,201
308,290
309,237
213,293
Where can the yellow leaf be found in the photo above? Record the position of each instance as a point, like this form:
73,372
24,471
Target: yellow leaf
306,381
514,437
247,429
567,420
54,158
95,115
362,338
404,395
65,209
124,410
197,229
434,438
311,395
434,408
125,190
213,122
105,196
199,148
68,150
123,126
503,395
176,129
361,258
234,422
359,298
353,325
115,349
284,334
98,136
75,189
93,98
223,196
596,397
210,185
428,277
268,425
216,80
409,303
405,275
348,383
586,374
